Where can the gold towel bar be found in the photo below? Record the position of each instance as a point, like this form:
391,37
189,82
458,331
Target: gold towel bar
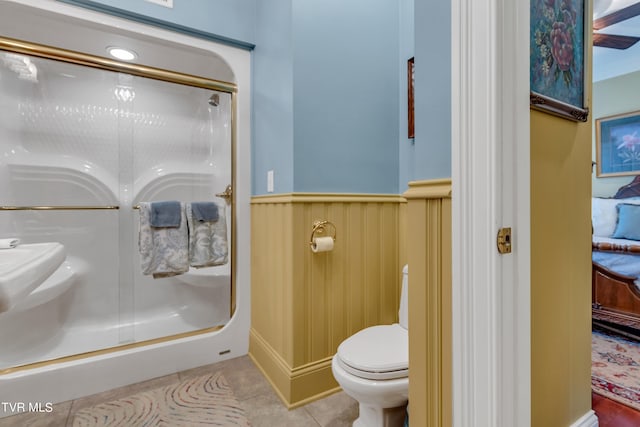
55,208
226,196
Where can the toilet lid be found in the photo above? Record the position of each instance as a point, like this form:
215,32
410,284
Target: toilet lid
378,352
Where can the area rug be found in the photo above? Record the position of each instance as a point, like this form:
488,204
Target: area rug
615,368
201,401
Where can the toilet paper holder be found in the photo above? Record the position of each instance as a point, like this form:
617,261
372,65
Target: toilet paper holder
322,227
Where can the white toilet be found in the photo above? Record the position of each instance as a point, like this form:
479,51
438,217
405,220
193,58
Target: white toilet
372,366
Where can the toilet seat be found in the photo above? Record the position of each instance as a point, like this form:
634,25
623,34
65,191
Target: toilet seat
376,353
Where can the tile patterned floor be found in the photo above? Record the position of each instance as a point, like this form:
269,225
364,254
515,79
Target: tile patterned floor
262,406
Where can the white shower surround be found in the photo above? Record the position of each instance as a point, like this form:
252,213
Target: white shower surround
72,379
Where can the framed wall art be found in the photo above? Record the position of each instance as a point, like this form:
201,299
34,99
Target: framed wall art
410,93
557,58
618,145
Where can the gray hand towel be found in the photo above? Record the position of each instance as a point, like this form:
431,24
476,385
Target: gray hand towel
165,214
204,211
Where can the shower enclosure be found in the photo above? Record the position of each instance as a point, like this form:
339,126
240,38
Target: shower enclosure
83,141
82,147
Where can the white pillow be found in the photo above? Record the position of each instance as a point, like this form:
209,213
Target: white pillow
604,215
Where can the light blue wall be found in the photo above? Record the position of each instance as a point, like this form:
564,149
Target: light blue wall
273,97
346,96
613,96
233,20
432,90
329,87
406,146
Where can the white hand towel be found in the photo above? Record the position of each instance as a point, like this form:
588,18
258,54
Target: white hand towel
9,243
208,244
164,252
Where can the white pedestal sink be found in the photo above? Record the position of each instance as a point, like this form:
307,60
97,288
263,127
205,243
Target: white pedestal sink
24,268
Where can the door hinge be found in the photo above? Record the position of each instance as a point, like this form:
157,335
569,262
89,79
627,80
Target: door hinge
504,240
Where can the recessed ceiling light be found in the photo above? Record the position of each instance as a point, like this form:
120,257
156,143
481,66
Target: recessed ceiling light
121,53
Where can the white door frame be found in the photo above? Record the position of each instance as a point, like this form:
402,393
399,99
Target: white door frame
490,189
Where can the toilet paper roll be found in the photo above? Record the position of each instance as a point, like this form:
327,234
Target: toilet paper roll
9,243
322,244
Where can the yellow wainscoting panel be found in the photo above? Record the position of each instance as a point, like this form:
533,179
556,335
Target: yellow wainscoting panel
296,387
402,231
272,282
303,303
429,254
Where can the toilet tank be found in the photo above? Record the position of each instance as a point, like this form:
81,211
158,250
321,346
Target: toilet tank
403,311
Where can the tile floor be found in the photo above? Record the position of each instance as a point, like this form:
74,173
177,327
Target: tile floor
261,405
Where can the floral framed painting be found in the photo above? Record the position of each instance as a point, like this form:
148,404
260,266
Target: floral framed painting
618,145
557,58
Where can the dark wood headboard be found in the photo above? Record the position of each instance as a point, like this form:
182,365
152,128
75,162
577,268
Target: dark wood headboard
630,190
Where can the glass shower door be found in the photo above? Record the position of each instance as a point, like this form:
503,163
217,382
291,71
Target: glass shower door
81,148
181,151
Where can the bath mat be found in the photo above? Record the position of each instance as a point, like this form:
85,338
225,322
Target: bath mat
201,401
615,368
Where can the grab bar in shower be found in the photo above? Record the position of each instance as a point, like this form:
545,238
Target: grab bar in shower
55,208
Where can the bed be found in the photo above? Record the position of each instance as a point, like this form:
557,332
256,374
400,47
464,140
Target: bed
615,284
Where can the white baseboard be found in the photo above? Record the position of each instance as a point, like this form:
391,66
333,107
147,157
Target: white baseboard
587,420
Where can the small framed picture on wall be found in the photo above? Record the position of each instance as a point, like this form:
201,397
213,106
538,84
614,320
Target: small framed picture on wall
410,93
617,142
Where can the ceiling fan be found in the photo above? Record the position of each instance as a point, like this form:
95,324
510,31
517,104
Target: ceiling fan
612,40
